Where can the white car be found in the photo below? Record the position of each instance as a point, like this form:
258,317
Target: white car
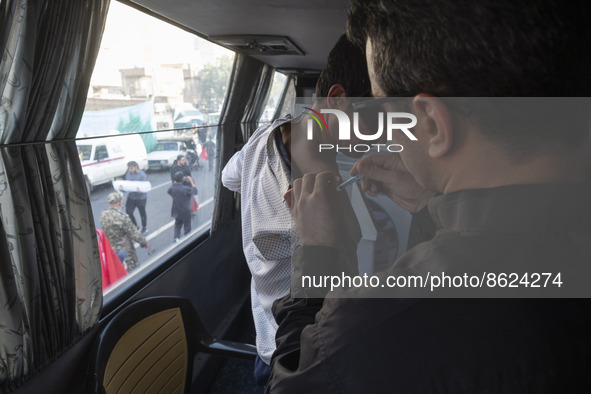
166,151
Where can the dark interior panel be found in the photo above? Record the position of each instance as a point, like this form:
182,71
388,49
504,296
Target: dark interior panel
213,276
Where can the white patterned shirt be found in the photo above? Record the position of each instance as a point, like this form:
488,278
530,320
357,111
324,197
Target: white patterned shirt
262,177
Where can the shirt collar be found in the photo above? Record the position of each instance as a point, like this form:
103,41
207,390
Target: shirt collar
276,162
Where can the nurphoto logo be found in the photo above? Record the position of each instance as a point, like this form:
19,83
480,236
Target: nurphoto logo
392,122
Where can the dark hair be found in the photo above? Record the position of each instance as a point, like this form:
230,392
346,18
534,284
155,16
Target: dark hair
178,176
347,66
180,157
132,163
471,48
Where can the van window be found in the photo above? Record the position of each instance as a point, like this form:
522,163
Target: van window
160,84
100,153
84,152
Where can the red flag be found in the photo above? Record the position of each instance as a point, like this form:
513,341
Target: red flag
111,268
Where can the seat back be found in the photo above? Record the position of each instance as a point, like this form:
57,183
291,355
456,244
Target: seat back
145,349
148,347
151,356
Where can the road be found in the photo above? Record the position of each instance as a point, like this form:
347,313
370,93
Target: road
160,224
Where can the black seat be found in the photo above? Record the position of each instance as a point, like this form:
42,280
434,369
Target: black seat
148,347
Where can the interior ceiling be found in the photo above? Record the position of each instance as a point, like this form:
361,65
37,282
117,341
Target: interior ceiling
313,25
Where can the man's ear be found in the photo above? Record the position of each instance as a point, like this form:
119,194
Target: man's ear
436,124
335,93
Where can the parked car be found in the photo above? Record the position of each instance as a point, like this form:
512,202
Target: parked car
166,151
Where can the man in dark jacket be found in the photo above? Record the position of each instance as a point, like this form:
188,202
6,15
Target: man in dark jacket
181,164
506,198
181,203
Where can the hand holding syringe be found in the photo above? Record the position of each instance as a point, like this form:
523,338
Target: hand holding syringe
349,181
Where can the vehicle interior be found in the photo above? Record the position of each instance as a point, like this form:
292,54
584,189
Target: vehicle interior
78,74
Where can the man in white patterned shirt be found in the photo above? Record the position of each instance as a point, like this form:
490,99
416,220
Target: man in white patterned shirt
261,172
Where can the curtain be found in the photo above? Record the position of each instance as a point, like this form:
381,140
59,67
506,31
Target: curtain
50,284
287,104
259,101
239,96
50,273
49,48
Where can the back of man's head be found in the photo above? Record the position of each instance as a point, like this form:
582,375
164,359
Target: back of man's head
179,176
346,65
480,48
477,48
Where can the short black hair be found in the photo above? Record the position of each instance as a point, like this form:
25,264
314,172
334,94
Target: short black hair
477,48
480,48
178,176
346,65
132,163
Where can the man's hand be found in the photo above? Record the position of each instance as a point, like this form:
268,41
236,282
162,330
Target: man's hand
313,201
387,174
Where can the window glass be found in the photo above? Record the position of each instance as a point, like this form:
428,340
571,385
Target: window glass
164,146
155,95
277,88
288,104
101,153
84,152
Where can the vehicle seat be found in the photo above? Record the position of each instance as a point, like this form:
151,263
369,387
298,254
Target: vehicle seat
148,347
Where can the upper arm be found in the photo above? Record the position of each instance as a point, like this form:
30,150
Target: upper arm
232,172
